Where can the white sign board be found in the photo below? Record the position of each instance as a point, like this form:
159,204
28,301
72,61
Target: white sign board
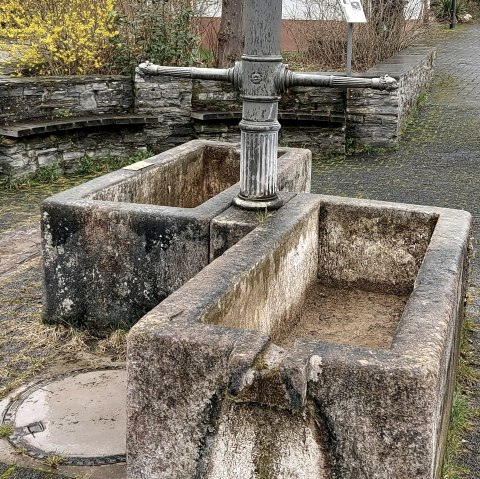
353,11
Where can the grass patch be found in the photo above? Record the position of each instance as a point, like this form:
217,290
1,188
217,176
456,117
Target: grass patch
53,461
463,411
5,430
115,345
30,349
413,114
8,472
262,215
460,419
86,166
466,374
353,147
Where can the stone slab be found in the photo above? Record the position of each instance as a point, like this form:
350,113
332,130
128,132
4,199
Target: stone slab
32,128
309,116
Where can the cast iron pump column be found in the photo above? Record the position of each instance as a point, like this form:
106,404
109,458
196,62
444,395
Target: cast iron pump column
261,77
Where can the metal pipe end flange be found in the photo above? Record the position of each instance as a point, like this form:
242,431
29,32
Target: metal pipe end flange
267,204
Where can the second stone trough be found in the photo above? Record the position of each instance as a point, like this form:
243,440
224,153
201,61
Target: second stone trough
321,345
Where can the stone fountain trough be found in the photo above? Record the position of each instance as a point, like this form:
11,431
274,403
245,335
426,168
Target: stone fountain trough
116,246
321,345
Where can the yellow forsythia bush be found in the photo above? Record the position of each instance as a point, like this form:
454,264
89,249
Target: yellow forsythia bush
59,37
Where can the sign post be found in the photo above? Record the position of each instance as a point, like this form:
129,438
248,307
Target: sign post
453,14
349,48
353,12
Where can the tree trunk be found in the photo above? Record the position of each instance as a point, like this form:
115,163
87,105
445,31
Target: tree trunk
231,34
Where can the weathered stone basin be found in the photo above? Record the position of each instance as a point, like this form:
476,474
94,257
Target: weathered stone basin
183,179
116,246
224,381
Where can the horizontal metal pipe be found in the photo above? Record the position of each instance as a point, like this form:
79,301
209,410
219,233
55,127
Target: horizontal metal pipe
220,74
308,79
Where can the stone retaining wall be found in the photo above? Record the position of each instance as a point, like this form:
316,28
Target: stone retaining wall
375,118
26,155
171,100
57,97
326,133
320,119
37,99
364,116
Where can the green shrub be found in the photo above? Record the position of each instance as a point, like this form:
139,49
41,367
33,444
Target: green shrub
443,8
58,37
160,32
72,37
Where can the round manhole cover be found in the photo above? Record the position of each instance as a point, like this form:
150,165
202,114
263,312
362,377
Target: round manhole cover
80,417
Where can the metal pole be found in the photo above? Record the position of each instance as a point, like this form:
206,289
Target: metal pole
453,17
261,77
349,48
259,127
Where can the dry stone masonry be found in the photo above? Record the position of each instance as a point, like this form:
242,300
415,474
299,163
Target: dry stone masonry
62,120
176,111
24,99
376,119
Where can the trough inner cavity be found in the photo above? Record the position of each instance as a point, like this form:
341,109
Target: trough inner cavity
184,182
341,277
346,316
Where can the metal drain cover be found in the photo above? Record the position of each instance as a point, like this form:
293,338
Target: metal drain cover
80,417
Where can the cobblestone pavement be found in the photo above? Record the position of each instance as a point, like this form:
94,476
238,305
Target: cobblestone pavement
437,163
